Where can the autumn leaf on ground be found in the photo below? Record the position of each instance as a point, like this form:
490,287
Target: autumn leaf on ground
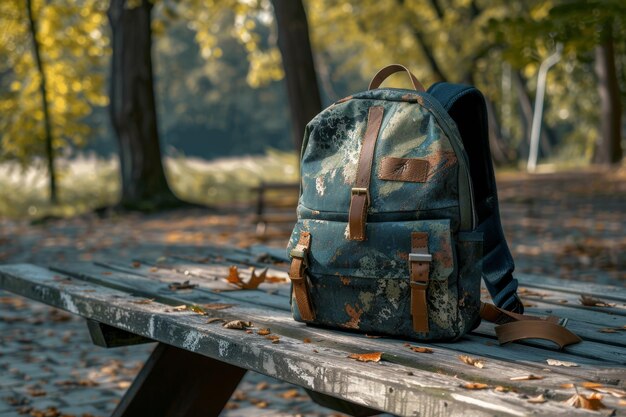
263,332
306,340
273,338
592,385
175,286
554,362
539,399
263,385
197,309
214,319
475,385
253,283
567,386
216,306
589,301
420,349
615,392
530,377
472,361
181,307
591,402
500,388
292,393
237,324
367,357
136,264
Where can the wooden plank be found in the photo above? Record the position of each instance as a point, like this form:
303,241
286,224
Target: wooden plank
609,292
386,386
280,319
176,383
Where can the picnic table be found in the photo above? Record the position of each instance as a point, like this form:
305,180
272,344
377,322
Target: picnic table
210,331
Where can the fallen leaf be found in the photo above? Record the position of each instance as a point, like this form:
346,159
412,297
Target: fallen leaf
144,301
237,324
500,388
154,269
214,319
539,399
181,307
615,392
253,283
589,301
554,362
273,338
592,385
367,357
216,306
591,402
608,330
292,393
567,386
231,406
197,309
262,404
472,361
239,395
263,332
262,386
526,377
136,264
306,340
175,286
420,349
475,385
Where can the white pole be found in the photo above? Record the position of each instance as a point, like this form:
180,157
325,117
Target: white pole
548,63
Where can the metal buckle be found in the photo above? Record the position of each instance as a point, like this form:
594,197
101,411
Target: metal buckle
420,257
301,254
359,191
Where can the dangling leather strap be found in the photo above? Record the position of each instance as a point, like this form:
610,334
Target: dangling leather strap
360,193
419,267
299,256
512,327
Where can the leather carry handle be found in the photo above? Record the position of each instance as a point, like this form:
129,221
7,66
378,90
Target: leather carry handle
384,73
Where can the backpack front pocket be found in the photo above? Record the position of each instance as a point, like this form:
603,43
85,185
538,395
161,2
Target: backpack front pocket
365,285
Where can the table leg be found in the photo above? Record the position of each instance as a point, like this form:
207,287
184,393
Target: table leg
178,383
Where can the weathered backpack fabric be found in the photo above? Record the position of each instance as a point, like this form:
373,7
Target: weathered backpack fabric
386,239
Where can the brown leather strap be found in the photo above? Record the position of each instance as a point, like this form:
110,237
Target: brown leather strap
513,327
298,279
419,267
360,194
384,73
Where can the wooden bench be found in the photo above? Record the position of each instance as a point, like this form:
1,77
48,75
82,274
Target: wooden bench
266,199
198,362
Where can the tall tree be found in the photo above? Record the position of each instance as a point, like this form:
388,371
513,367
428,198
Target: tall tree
133,110
608,147
44,103
297,58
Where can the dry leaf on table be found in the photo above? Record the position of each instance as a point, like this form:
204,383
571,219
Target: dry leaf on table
530,377
253,283
367,357
292,393
591,402
472,361
589,301
237,324
420,349
263,332
475,385
554,362
539,399
175,286
273,338
592,385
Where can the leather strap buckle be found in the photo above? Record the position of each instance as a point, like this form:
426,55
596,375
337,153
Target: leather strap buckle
361,191
420,257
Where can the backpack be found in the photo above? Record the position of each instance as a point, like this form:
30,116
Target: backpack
392,233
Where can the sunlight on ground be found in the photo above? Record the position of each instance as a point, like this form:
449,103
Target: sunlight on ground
86,183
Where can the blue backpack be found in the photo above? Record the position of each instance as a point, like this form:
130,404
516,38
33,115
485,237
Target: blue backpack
398,219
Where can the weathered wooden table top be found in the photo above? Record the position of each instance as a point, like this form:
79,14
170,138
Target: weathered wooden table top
145,297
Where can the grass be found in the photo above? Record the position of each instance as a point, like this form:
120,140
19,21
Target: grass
86,183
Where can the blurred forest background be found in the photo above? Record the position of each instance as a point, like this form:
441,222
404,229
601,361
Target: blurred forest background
102,99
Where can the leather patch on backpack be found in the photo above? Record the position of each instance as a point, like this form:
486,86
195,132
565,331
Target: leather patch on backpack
403,169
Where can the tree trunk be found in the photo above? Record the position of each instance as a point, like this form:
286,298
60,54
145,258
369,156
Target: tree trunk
295,48
44,103
133,110
609,147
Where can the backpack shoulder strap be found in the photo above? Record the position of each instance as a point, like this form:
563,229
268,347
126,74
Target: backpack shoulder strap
466,105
